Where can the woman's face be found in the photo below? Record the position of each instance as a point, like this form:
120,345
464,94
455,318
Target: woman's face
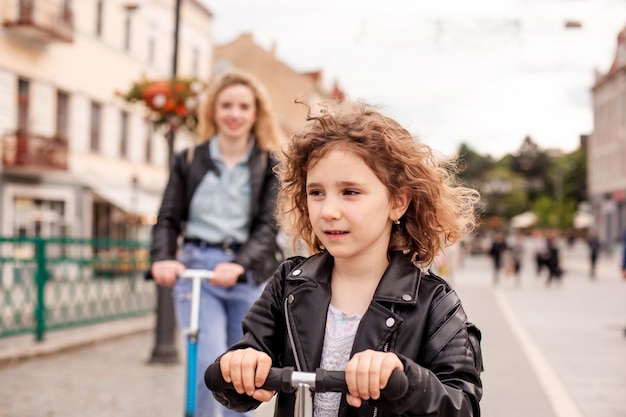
235,112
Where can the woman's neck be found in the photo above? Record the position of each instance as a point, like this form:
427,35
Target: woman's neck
232,151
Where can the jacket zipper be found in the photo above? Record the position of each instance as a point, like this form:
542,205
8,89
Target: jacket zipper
291,340
385,349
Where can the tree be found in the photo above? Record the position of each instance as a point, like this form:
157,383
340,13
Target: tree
473,165
503,193
531,163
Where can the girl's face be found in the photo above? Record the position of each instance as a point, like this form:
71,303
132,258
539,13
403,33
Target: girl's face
235,112
349,207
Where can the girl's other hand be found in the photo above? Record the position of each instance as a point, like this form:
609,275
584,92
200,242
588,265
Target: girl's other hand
367,373
166,272
247,369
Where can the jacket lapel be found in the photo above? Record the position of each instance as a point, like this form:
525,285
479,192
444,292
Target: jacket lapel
257,165
307,299
398,286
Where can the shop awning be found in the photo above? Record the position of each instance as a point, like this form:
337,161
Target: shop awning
524,220
131,200
583,220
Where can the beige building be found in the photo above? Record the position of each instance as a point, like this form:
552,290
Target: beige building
77,160
606,149
283,83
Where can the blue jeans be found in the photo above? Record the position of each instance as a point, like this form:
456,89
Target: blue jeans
221,313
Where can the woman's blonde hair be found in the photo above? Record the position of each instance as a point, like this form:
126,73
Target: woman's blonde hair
439,214
265,129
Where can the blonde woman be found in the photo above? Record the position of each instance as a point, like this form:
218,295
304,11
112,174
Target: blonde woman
220,199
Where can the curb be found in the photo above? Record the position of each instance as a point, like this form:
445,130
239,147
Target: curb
23,347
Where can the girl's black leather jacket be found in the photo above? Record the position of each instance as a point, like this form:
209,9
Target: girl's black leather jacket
406,314
260,253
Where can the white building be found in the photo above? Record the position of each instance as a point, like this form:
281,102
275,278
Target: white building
76,159
606,149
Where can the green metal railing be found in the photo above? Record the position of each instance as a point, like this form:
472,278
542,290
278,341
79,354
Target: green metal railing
54,283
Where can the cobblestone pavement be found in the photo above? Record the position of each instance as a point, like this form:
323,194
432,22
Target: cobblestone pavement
549,352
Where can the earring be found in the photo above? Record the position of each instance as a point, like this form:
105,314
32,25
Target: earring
397,221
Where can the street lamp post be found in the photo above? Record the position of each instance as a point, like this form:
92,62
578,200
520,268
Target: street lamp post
165,347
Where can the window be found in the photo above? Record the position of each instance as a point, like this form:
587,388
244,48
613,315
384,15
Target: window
23,89
148,148
39,217
62,115
195,62
128,29
96,116
124,134
151,50
99,17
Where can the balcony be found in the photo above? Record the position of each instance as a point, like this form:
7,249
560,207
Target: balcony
24,150
42,21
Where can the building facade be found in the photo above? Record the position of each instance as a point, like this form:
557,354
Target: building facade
76,159
283,83
606,149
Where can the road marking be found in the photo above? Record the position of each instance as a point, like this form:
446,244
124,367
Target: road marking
561,400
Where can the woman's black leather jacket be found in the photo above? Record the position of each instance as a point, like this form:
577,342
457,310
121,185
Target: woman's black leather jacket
260,253
406,314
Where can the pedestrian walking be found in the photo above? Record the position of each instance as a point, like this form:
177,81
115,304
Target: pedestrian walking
624,261
373,207
516,249
497,251
541,251
220,199
594,248
553,262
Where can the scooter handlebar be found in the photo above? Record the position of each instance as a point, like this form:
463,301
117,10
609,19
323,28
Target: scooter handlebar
287,380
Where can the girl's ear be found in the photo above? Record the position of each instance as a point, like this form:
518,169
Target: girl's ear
400,205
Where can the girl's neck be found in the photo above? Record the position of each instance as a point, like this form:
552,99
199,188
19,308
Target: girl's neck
353,287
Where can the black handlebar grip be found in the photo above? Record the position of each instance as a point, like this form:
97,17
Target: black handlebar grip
335,381
279,379
330,381
397,385
213,379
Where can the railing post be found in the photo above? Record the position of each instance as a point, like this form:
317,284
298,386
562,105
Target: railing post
40,280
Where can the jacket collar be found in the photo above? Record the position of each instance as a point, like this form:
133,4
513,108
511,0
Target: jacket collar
399,283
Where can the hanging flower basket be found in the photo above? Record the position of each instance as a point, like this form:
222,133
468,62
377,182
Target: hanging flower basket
172,103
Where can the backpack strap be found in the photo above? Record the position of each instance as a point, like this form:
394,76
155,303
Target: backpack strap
475,336
190,152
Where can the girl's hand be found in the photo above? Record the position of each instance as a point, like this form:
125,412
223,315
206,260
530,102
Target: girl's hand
367,373
227,274
247,369
166,272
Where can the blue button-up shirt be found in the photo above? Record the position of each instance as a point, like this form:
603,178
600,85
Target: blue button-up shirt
220,206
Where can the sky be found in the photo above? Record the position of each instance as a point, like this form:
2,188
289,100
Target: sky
486,73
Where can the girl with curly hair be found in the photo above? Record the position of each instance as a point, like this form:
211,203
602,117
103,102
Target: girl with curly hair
374,207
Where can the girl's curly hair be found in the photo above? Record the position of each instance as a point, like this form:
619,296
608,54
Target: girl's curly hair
439,214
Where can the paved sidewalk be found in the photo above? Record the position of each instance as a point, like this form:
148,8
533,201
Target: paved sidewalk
549,351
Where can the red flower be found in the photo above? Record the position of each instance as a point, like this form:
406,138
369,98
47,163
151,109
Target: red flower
167,101
181,110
